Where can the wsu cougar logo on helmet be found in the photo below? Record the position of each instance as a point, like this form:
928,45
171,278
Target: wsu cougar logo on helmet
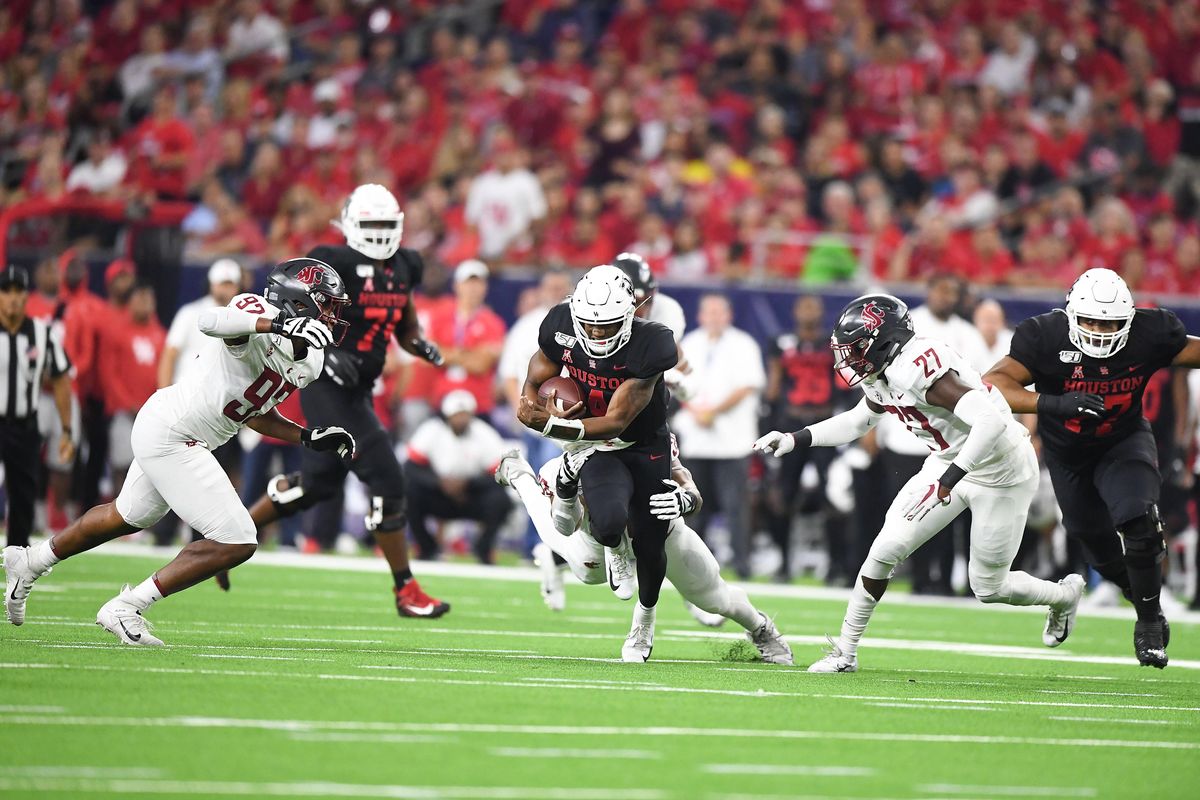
310,274
872,317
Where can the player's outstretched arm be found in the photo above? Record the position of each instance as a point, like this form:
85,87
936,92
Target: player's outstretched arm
840,429
681,497
408,336
232,323
328,439
1189,356
1010,377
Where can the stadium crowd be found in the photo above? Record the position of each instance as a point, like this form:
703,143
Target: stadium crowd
930,141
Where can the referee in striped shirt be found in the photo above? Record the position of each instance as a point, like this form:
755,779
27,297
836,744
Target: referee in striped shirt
28,355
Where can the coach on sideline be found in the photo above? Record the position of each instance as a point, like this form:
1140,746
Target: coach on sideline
27,352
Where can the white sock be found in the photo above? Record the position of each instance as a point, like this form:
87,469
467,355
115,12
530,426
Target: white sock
858,614
42,558
643,615
742,611
530,492
144,595
1022,589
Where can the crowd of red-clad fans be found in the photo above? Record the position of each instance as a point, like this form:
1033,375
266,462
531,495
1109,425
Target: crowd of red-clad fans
1012,141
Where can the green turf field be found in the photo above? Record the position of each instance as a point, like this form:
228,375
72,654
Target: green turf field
303,683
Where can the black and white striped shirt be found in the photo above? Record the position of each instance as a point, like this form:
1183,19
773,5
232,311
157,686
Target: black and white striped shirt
25,357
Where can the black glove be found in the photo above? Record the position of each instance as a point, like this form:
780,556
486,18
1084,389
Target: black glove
342,368
428,351
1072,404
329,439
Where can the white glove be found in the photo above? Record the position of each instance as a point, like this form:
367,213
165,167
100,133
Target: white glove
926,501
780,444
312,331
672,504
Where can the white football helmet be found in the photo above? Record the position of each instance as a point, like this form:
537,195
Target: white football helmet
604,296
1099,294
372,221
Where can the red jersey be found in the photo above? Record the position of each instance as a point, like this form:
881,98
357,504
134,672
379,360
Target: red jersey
154,138
449,330
129,362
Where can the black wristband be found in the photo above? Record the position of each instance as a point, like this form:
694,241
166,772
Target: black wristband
306,437
803,437
953,474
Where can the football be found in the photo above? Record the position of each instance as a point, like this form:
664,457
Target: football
566,392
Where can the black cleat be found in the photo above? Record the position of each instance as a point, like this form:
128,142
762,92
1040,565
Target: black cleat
222,579
1166,629
1148,643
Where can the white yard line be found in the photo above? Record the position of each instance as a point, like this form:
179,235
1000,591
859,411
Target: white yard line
65,771
1007,791
925,707
294,725
258,658
373,738
531,575
1125,721
32,710
428,669
584,753
788,769
322,789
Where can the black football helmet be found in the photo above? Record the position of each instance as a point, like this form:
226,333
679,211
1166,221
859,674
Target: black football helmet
640,275
306,287
869,333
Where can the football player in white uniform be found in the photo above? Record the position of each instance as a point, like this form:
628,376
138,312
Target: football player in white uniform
981,458
691,567
273,346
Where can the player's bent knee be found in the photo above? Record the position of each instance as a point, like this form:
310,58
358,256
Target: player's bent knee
290,496
882,559
387,515
1143,539
989,585
608,524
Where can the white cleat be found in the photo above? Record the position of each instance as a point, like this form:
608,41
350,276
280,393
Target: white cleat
1061,621
835,660
638,644
769,641
512,464
622,575
553,592
706,618
126,623
18,583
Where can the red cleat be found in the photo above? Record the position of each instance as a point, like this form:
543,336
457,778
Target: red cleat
411,601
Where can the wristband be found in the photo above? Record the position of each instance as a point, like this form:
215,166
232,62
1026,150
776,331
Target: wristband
802,438
570,430
953,474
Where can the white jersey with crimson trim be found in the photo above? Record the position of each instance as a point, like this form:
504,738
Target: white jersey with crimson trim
901,390
232,384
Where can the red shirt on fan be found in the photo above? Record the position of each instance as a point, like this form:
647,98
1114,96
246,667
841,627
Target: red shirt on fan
129,361
154,138
448,330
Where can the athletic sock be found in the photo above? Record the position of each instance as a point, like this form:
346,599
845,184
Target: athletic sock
742,611
643,615
1145,590
401,577
42,557
1023,589
144,595
858,614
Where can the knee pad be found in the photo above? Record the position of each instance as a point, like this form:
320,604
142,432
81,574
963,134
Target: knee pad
988,585
386,515
294,498
1142,539
608,524
883,558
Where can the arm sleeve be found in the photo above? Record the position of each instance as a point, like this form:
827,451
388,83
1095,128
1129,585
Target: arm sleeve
845,427
987,426
1025,344
227,323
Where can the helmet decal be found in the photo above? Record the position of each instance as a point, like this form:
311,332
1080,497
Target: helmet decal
310,274
872,317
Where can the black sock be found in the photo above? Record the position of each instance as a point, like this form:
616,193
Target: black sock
402,577
1145,587
565,488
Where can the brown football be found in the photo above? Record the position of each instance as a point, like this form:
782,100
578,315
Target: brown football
565,390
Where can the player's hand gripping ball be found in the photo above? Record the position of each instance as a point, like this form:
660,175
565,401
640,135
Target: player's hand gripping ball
565,394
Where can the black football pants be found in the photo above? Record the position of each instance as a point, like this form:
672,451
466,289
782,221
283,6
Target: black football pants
21,451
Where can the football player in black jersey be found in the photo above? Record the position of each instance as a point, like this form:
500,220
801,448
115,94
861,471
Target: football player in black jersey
1089,364
617,361
380,277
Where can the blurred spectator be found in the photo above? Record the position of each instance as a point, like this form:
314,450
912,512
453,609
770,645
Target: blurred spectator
505,203
451,460
104,169
140,74
129,361
939,319
255,32
470,336
1028,173
1007,68
160,148
184,342
719,423
265,183
196,56
990,322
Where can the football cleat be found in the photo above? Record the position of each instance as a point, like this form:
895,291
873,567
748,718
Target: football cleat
769,641
622,575
1166,630
638,644
512,464
1148,643
706,618
126,622
411,601
18,583
835,660
1061,621
553,592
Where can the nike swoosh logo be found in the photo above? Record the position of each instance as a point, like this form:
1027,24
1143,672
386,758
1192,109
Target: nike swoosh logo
13,594
1149,599
422,611
618,369
657,457
1063,638
608,572
132,637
